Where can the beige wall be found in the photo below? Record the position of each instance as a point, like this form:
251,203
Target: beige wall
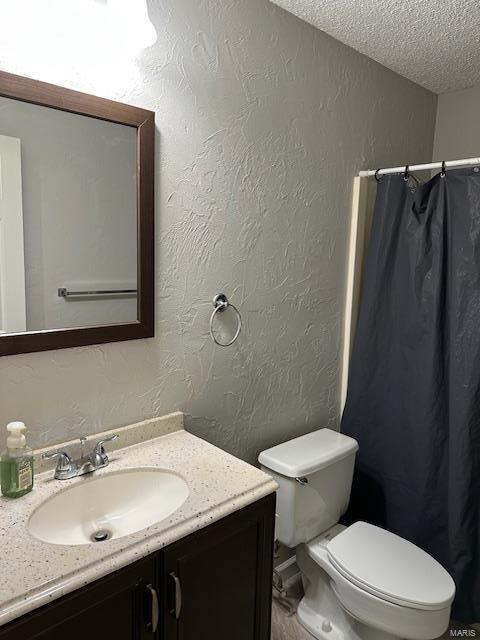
457,131
262,122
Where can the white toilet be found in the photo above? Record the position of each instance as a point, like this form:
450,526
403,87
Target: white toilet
361,582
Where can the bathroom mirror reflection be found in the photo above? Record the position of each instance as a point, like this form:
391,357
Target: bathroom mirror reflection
68,208
76,218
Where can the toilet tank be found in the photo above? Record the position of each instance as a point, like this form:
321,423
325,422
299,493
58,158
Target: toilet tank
314,474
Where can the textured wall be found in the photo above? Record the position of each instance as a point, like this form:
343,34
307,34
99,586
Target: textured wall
262,122
457,132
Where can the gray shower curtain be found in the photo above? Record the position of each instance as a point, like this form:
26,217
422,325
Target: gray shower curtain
413,399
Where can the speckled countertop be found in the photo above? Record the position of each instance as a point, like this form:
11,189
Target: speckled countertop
34,572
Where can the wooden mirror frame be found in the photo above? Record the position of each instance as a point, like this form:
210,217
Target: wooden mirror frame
49,95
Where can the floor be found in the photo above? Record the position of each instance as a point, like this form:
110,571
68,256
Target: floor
285,627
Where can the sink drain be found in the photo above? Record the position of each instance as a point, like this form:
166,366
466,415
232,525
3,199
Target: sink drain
101,535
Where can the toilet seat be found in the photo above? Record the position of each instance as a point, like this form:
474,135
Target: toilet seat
390,568
368,603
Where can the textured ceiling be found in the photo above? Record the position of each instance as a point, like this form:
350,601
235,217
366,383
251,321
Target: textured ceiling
434,43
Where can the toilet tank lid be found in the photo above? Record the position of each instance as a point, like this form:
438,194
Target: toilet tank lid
308,453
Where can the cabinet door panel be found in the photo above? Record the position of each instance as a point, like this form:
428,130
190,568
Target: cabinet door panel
116,607
224,573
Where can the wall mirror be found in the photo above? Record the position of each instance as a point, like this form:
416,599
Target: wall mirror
76,218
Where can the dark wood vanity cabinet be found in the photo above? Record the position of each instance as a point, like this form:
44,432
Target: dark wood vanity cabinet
114,607
215,584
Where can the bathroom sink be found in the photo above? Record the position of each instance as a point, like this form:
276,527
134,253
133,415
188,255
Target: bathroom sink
108,506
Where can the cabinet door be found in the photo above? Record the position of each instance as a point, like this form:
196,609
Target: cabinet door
217,582
118,607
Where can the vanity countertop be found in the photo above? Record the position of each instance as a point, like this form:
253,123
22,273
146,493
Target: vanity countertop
35,572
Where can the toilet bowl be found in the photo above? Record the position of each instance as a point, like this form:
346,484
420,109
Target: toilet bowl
361,582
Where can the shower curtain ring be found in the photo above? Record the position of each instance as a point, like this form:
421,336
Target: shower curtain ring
406,173
443,172
376,175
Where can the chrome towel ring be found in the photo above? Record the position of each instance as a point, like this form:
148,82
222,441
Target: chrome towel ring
220,302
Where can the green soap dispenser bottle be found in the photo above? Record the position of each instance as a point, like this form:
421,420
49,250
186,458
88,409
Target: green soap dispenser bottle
16,463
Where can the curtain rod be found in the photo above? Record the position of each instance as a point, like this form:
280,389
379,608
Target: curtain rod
449,164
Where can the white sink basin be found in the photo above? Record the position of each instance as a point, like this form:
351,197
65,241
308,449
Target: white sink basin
108,506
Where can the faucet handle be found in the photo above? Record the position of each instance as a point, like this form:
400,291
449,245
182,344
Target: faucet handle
83,440
98,449
64,461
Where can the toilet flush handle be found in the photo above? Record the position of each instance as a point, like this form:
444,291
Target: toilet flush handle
302,480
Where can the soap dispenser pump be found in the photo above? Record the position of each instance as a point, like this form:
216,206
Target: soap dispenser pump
16,463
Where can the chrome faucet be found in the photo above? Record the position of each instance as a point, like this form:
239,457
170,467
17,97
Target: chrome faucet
67,468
